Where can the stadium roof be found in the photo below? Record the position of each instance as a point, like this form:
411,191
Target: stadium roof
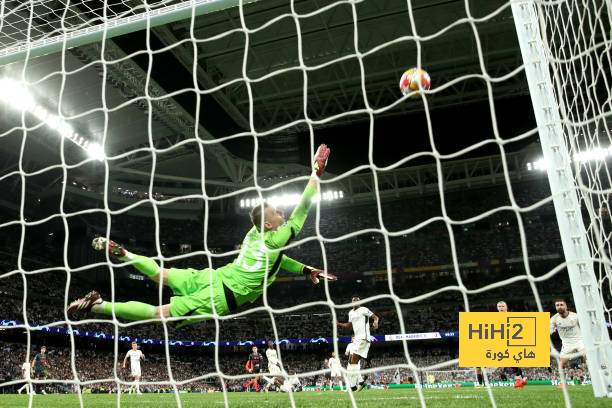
384,34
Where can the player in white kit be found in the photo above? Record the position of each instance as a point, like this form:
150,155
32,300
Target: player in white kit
25,373
359,320
336,373
274,368
567,325
135,355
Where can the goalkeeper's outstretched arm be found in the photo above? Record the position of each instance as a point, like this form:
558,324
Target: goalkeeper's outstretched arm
294,225
314,274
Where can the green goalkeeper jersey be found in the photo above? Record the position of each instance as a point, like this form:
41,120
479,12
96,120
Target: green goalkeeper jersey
261,254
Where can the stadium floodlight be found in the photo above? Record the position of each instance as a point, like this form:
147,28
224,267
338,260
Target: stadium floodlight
16,95
95,151
286,200
588,155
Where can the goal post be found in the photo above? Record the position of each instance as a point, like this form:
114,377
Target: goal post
114,26
555,135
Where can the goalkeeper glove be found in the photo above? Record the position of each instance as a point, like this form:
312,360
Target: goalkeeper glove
320,160
316,274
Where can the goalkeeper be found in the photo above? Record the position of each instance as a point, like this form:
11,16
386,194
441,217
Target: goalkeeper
233,284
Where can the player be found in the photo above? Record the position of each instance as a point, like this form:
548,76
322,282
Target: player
336,372
567,326
39,366
517,372
25,373
359,320
253,365
135,355
576,367
232,285
274,368
118,374
326,375
292,384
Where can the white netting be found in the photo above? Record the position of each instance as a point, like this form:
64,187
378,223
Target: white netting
133,88
579,50
30,21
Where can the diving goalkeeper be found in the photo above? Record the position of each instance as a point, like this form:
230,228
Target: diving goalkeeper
232,285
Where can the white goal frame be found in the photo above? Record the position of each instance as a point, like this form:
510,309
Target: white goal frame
115,27
585,289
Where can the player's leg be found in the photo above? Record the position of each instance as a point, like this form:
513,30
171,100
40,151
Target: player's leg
353,371
564,362
362,352
146,266
479,376
269,382
92,302
137,378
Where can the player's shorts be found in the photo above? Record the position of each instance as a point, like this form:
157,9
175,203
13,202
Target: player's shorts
361,348
136,371
336,373
40,373
567,349
274,369
193,288
328,375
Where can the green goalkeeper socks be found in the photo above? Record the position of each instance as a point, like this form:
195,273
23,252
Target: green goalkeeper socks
145,265
126,310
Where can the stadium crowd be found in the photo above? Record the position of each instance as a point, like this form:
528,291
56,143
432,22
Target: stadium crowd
44,279
197,371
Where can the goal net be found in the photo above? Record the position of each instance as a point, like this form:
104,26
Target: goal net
160,124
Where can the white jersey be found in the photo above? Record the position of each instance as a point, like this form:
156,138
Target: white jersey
349,349
360,319
272,357
568,327
135,356
26,370
334,363
294,380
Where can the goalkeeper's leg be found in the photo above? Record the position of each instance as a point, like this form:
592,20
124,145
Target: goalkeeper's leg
92,302
145,265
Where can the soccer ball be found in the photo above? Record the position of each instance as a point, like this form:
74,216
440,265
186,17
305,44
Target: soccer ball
413,80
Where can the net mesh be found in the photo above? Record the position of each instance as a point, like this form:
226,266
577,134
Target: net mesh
581,59
578,47
29,21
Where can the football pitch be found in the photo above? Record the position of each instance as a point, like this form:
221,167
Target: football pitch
536,396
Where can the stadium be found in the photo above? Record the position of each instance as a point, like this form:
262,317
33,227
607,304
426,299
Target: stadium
166,205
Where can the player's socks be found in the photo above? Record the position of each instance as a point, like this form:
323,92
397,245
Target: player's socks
145,265
126,310
480,379
248,386
353,375
256,386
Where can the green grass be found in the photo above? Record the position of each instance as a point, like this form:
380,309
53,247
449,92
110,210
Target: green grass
535,396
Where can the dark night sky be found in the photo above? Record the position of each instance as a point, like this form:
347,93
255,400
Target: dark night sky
454,127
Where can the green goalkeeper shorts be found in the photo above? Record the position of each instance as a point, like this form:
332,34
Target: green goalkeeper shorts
194,295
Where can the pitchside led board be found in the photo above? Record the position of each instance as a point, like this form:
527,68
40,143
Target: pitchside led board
512,339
